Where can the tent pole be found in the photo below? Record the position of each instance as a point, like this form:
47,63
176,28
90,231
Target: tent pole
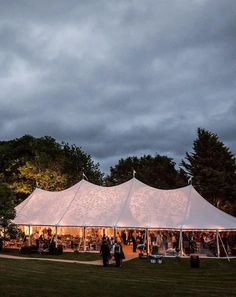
84,238
217,243
56,239
29,241
114,232
147,241
181,242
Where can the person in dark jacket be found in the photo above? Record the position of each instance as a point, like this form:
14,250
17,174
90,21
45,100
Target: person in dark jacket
118,253
134,243
123,236
105,252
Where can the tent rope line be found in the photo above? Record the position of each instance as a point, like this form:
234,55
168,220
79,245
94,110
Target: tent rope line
126,202
69,204
188,205
29,198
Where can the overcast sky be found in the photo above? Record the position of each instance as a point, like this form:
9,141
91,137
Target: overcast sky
119,78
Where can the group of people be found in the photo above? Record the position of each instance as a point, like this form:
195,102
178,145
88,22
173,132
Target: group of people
165,241
109,247
132,237
193,242
44,242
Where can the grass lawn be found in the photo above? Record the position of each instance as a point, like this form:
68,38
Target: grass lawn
66,255
174,277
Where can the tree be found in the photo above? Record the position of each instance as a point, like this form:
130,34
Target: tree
158,171
213,168
7,211
14,154
76,162
28,162
31,176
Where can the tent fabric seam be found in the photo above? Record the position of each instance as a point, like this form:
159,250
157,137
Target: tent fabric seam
69,205
125,202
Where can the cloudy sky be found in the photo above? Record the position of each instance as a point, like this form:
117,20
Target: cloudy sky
119,78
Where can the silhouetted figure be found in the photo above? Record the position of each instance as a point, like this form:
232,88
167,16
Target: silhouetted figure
118,254
105,252
134,243
123,236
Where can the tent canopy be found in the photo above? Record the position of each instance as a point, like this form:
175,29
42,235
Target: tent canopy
132,204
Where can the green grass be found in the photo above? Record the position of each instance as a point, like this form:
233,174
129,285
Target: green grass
174,277
66,255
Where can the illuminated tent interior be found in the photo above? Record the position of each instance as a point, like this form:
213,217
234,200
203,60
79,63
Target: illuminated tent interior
132,204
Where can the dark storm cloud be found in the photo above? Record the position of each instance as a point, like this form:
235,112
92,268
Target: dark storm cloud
119,78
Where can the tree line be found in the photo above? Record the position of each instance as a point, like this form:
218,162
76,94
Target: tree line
29,162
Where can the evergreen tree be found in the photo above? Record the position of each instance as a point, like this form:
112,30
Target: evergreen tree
213,168
158,171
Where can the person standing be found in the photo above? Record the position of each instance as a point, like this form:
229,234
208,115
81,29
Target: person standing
105,252
36,238
118,253
134,243
123,236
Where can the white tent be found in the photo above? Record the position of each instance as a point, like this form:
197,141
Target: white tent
132,204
